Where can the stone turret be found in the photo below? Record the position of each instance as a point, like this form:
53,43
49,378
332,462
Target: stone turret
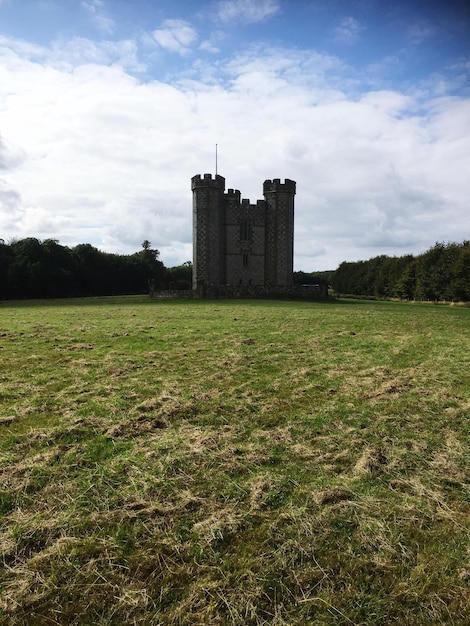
279,253
208,230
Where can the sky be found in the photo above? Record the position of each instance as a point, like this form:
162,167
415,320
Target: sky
109,107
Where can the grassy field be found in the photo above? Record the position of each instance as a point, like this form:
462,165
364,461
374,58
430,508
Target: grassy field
234,462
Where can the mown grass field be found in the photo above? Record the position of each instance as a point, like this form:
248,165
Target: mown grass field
248,463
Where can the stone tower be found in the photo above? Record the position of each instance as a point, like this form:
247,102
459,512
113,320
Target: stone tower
208,230
279,198
239,245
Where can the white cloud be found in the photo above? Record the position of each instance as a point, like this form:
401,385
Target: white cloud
66,54
79,50
17,48
175,36
97,12
105,158
348,30
208,46
10,156
10,199
247,11
418,32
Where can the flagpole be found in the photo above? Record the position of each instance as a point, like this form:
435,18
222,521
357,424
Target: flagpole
216,159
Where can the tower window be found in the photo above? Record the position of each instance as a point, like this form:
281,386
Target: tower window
245,260
245,231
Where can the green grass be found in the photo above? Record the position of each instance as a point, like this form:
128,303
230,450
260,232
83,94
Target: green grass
242,462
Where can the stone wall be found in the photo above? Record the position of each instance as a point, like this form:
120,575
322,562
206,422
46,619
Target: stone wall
173,294
304,292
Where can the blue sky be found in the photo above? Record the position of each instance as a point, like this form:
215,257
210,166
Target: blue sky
108,107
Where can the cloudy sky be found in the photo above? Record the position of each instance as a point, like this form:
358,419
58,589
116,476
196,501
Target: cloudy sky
109,107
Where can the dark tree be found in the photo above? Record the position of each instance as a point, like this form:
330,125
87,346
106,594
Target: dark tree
181,276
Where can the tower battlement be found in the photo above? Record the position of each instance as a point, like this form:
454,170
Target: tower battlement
218,182
275,184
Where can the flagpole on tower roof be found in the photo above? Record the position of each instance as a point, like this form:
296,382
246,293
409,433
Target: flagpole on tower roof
216,159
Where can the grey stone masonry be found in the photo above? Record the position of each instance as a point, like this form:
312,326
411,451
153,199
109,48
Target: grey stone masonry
236,243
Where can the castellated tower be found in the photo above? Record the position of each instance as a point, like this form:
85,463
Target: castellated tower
279,198
239,245
208,230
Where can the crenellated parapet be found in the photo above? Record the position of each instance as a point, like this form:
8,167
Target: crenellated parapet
207,181
233,196
275,185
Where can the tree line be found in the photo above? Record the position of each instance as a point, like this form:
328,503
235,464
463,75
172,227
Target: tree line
441,273
30,268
